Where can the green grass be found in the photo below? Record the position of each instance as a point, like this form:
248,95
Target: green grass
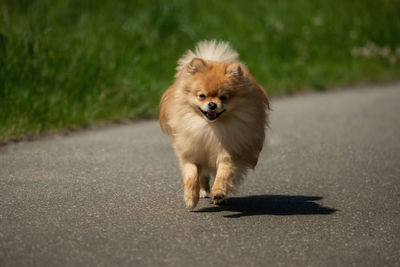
70,63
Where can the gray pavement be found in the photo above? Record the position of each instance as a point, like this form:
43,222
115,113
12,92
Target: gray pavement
326,192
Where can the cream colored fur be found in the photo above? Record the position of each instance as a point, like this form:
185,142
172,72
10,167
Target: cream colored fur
210,51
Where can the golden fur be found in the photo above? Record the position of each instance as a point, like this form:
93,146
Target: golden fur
223,142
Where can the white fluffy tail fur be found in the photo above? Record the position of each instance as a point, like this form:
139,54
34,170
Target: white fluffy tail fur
209,51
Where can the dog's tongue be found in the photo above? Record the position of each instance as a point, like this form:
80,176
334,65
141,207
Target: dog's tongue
212,114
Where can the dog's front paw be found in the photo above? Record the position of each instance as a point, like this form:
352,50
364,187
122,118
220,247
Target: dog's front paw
191,200
217,196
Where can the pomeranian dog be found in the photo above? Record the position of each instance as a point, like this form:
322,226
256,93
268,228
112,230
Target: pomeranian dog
215,114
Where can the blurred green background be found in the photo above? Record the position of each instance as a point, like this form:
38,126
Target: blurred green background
69,63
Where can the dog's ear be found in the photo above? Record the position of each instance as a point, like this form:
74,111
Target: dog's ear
234,69
196,65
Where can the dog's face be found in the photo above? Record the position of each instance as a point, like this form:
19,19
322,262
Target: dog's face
215,90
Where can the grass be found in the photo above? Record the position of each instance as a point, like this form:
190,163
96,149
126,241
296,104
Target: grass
69,63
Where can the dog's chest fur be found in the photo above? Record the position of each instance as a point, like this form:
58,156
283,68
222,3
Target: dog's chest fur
204,143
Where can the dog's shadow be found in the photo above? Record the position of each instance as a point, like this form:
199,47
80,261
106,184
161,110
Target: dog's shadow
280,205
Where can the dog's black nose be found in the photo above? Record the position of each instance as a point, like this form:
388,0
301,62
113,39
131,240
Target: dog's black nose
212,105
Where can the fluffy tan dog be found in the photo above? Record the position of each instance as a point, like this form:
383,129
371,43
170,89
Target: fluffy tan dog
215,114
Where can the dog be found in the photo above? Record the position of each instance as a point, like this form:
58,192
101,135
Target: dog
215,115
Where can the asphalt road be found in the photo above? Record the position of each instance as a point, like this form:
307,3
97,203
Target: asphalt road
326,192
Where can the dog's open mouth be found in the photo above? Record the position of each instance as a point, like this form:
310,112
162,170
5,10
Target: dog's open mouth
211,115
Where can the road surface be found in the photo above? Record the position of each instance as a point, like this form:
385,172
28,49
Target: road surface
326,192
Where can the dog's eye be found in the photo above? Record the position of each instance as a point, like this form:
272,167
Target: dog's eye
202,96
223,98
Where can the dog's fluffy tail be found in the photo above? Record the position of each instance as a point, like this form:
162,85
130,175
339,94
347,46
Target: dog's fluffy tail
213,50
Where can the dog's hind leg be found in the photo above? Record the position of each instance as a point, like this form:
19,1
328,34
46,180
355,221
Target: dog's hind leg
204,179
